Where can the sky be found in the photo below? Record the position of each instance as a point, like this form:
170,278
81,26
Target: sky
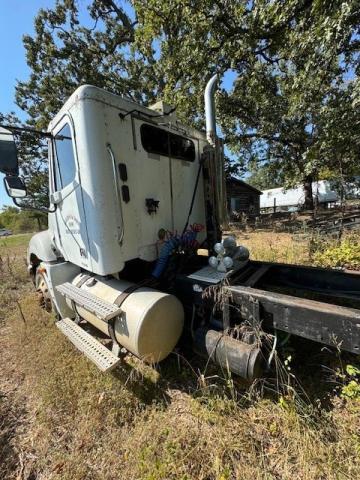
16,20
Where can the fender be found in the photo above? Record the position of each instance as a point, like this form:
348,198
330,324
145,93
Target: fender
41,248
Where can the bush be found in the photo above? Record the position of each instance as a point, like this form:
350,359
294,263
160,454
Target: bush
350,378
22,221
344,254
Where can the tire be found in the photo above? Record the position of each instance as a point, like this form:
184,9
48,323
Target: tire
42,288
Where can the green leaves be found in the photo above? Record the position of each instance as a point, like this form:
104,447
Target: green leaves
351,390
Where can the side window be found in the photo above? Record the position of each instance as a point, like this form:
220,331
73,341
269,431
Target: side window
156,140
65,167
182,148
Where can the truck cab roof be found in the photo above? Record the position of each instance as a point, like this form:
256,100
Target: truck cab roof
125,105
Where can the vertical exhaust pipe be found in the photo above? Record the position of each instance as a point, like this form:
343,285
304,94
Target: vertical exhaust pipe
218,171
210,117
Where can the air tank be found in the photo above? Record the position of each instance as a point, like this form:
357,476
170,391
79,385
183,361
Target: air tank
151,321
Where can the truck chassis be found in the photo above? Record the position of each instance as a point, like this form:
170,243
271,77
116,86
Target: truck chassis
322,305
314,303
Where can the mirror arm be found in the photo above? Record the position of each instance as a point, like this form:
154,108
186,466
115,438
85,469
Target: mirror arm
19,130
44,210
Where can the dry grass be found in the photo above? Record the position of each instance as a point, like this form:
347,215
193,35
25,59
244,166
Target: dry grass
275,247
62,419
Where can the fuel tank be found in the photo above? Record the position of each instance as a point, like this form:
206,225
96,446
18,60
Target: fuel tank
151,321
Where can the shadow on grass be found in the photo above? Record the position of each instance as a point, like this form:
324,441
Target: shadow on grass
312,375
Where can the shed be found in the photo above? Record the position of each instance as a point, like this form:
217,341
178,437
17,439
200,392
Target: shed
242,198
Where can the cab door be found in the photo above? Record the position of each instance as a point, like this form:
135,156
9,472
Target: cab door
67,196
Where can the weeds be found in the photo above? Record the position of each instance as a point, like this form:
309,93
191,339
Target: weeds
275,247
349,382
333,253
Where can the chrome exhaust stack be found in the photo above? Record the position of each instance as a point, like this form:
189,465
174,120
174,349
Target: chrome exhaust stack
210,116
218,157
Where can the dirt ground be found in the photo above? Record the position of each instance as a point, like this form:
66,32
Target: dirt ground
60,418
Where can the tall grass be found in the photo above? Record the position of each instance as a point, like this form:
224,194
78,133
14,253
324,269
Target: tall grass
60,418
275,247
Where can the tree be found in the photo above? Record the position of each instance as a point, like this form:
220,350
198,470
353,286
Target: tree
293,62
263,178
21,221
64,54
289,57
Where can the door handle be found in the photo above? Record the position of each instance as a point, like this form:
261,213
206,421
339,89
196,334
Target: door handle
117,192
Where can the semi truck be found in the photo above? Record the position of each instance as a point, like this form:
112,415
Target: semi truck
135,247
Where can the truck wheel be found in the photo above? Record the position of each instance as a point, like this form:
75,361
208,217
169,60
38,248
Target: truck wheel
43,291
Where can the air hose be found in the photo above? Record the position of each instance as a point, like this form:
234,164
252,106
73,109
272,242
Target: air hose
165,253
186,240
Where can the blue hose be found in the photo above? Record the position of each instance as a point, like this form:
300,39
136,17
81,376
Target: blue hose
165,253
185,239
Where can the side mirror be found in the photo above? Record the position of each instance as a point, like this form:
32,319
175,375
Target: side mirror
14,187
8,153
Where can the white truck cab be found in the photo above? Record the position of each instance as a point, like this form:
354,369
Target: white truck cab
133,195
119,173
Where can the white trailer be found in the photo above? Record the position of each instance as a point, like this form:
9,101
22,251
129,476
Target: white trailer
293,198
